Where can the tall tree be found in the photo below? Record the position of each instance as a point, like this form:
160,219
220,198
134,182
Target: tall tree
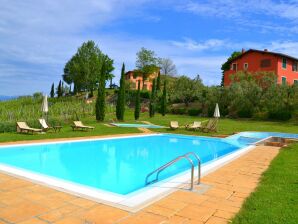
100,101
158,82
167,66
120,107
59,89
163,106
52,93
152,100
84,68
146,63
138,103
226,66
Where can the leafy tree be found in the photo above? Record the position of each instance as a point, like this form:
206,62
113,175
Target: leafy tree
226,66
146,63
100,101
152,100
186,90
137,103
52,93
84,68
163,107
120,107
167,66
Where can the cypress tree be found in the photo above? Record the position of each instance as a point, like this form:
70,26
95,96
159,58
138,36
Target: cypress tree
101,101
138,104
152,100
158,82
52,91
59,89
120,107
163,107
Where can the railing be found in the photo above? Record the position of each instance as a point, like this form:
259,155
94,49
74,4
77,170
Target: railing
185,156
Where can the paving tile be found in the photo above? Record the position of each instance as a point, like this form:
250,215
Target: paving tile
13,184
60,213
103,214
143,218
219,193
71,220
197,212
224,214
188,197
22,211
33,221
52,203
84,203
216,220
175,220
158,210
171,204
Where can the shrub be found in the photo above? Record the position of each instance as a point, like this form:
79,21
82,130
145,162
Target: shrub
179,111
194,112
245,113
261,115
282,115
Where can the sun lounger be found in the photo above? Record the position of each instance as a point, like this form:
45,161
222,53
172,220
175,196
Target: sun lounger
194,126
210,126
174,125
22,127
78,125
46,127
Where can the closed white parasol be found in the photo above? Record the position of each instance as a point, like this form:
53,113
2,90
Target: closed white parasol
216,112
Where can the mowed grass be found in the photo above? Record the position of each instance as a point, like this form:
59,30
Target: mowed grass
225,126
276,198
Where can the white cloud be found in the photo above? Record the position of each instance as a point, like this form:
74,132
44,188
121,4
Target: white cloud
253,13
199,46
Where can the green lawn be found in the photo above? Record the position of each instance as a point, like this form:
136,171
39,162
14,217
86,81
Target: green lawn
225,126
276,198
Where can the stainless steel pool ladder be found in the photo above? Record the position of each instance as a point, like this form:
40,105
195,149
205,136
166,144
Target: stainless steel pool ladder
185,156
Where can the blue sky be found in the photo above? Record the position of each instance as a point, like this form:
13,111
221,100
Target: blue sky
38,37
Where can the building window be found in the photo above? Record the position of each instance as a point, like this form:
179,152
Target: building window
265,63
295,66
234,67
284,80
245,66
284,63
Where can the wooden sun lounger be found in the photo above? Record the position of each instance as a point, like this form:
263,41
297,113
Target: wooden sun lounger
46,127
78,125
194,126
174,125
22,127
210,126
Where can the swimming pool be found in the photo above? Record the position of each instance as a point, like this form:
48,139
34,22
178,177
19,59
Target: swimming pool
137,125
115,169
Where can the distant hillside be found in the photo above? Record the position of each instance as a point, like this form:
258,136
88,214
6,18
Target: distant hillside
4,98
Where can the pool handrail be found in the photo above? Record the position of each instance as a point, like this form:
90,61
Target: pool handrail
163,167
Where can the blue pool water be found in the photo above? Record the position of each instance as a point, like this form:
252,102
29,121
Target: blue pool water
118,165
137,125
253,137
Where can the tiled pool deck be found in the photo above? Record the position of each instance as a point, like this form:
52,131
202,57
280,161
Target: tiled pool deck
23,202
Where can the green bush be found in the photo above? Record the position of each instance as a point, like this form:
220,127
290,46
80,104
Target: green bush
7,127
194,112
282,115
179,111
245,113
261,115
